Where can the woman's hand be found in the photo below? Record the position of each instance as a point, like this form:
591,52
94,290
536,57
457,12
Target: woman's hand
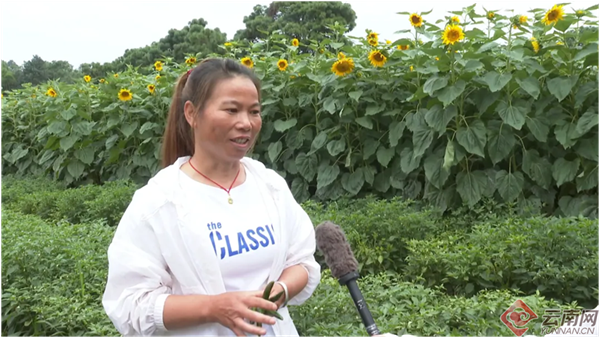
233,310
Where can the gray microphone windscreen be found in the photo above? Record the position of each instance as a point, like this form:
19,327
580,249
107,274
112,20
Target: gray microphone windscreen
332,242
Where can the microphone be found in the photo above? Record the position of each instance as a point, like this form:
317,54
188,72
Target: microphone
332,242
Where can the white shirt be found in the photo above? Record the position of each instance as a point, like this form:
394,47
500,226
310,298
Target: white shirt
160,248
242,234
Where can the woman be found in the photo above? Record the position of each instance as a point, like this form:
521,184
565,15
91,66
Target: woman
199,242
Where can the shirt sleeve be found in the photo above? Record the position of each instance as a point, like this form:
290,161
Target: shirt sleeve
138,282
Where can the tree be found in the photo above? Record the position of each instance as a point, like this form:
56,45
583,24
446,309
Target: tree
11,75
298,19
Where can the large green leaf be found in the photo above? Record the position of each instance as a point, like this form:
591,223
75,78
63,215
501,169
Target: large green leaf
422,138
300,189
365,121
395,133
75,168
319,141
307,165
385,155
512,114
85,155
434,169
67,142
560,87
438,118
509,185
470,186
473,137
283,125
370,147
537,168
496,81
588,179
326,174
588,148
587,121
539,127
408,161
274,150
531,85
450,93
434,84
336,147
566,133
353,182
501,141
564,171
448,155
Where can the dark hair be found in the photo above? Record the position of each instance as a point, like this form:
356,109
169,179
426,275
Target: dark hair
196,86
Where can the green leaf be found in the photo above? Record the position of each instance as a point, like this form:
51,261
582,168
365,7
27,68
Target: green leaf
129,128
83,128
336,147
300,189
374,109
566,133
473,137
369,174
560,87
483,98
501,141
510,185
588,50
588,179
434,171
326,175
438,118
365,122
307,165
448,155
382,182
329,105
564,171
434,84
75,168
409,162
395,133
584,91
470,186
85,155
355,95
530,85
588,148
537,168
68,114
370,147
57,127
353,182
385,155
473,65
281,125
539,127
496,81
450,93
146,126
67,142
274,150
587,121
512,115
319,141
422,139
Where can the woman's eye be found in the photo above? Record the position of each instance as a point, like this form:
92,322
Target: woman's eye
256,112
231,110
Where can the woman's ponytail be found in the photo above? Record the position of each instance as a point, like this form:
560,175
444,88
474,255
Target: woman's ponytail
177,139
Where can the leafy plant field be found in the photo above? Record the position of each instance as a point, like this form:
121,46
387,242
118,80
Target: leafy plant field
448,113
423,274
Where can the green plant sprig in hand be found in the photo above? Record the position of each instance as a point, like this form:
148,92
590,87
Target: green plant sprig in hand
273,299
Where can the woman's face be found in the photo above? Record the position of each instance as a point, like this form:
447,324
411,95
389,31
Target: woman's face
230,122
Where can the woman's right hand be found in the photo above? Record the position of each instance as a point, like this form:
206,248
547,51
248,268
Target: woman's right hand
233,310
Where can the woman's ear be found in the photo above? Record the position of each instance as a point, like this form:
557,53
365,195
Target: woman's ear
190,115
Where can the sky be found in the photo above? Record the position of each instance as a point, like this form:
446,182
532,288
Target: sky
88,31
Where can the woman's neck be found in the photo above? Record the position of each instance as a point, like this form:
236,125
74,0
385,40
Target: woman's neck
220,172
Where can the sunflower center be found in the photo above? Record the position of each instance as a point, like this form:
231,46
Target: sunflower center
378,57
453,35
125,94
343,67
552,15
415,19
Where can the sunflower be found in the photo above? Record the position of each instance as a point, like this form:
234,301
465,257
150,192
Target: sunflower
158,66
247,62
116,75
579,13
403,47
388,42
157,77
373,42
87,78
377,59
228,44
125,95
151,88
522,19
416,20
412,68
282,64
535,44
190,61
373,35
455,19
51,92
321,51
491,15
553,15
343,67
341,56
295,42
452,34
102,80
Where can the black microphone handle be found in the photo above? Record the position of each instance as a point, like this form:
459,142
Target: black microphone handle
349,280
